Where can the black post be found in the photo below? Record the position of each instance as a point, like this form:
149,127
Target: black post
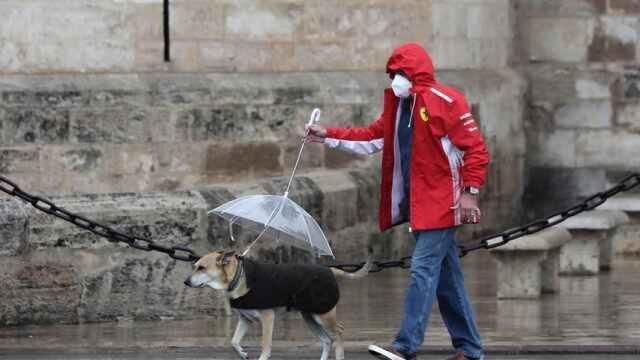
167,38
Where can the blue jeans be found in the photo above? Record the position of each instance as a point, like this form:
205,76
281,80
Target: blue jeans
435,270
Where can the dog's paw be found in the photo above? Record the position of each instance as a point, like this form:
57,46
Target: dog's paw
242,354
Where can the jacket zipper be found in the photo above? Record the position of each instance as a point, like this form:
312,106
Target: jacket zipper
409,126
412,107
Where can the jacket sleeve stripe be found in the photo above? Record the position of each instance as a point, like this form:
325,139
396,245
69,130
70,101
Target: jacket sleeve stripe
356,147
442,95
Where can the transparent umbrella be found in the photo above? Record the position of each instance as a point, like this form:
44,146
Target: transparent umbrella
277,216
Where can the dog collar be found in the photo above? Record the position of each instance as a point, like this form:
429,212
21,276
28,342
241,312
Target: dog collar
236,278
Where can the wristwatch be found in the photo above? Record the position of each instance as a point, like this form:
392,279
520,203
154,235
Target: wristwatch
471,190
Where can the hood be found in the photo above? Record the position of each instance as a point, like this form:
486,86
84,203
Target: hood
414,61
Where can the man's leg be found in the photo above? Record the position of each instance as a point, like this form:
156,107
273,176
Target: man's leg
426,261
455,307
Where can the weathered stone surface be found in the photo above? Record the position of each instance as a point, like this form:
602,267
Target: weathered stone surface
14,232
584,114
197,20
568,8
596,220
628,115
18,160
46,126
548,239
340,191
554,149
591,150
166,218
151,287
559,39
625,6
236,161
43,292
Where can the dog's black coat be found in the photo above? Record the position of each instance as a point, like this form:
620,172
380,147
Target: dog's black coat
307,288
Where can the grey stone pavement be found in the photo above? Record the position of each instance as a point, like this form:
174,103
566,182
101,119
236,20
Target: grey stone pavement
595,317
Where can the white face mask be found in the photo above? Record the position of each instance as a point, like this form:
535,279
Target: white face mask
401,86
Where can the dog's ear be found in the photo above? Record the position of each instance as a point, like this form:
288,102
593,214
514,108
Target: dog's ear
225,258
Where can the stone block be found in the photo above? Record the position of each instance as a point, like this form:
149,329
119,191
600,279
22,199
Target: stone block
149,285
43,292
18,160
166,218
9,57
584,114
90,126
452,53
581,255
81,161
36,126
628,115
241,56
143,21
401,22
593,87
118,98
14,235
528,266
340,198
551,82
591,150
559,39
522,278
236,161
272,21
197,20
368,184
626,7
333,19
554,149
565,8
449,19
177,158
140,160
86,27
489,20
489,53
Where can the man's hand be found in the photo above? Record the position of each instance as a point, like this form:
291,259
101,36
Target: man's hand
315,133
469,211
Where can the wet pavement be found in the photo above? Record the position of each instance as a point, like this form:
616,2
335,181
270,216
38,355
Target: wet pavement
598,315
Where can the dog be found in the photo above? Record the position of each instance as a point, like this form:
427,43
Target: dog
257,291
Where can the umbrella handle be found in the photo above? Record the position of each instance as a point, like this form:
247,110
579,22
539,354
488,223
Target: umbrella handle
314,118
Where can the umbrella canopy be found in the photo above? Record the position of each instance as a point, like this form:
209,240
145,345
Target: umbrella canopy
278,217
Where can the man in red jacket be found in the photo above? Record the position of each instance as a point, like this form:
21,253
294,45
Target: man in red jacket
434,162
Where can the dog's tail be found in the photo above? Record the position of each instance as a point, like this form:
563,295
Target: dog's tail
358,274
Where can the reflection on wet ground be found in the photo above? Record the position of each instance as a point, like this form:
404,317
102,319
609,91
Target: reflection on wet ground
599,311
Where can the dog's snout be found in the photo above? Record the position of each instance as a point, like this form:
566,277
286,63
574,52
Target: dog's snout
188,282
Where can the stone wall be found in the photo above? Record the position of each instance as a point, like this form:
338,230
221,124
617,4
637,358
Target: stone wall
92,116
51,271
583,128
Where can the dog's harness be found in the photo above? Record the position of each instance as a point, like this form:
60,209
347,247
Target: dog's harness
307,288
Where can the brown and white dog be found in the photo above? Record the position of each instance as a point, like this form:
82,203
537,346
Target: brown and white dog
257,291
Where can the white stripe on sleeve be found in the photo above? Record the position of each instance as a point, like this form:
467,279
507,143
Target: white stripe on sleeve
356,147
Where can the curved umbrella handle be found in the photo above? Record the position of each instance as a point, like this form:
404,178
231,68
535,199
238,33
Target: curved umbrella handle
315,116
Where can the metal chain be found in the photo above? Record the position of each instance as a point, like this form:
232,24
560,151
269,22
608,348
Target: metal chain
176,252
185,254
500,239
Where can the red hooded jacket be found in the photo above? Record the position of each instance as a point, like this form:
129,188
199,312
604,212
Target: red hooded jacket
448,151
